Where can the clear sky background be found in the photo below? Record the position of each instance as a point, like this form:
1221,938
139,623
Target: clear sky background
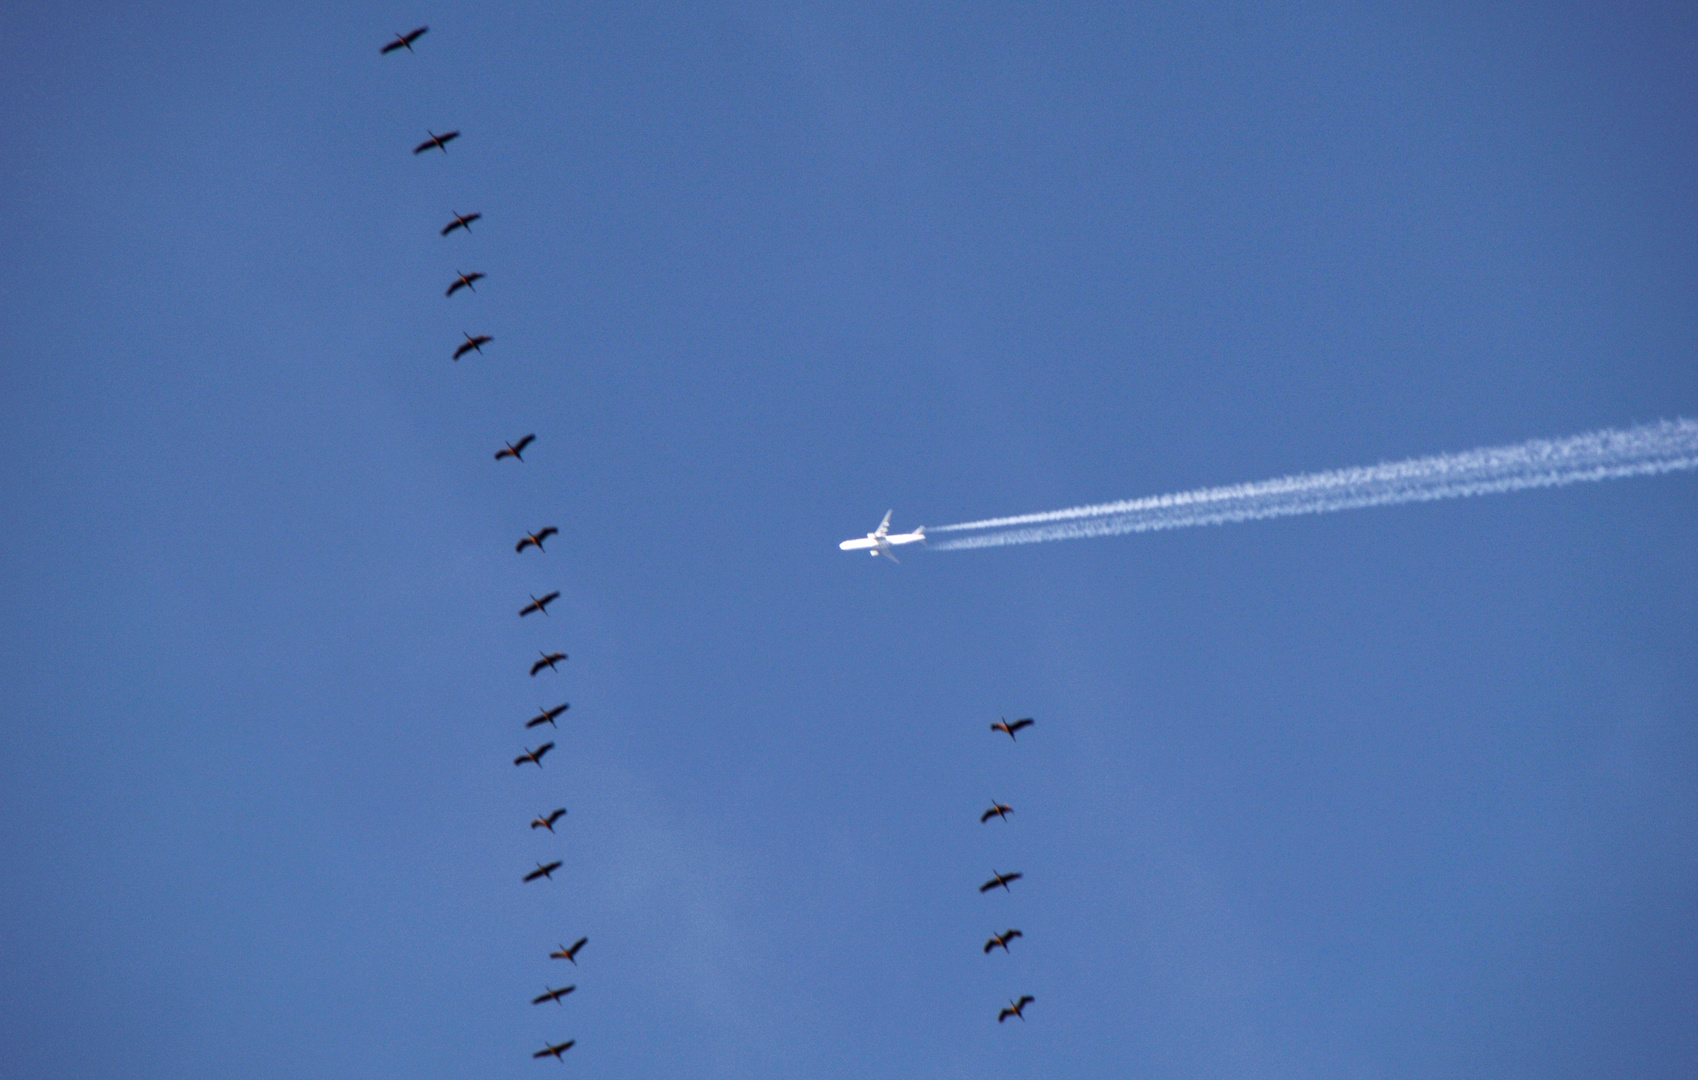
1406,792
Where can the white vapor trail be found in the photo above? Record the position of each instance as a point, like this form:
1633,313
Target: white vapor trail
1600,455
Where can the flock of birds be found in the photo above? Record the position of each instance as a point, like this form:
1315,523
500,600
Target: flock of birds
1016,1007
548,661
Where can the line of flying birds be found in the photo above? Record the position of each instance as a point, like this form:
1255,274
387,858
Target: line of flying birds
548,661
1016,1007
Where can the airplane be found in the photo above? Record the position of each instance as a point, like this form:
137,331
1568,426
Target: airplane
881,541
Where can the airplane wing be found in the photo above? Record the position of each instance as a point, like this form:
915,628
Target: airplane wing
884,526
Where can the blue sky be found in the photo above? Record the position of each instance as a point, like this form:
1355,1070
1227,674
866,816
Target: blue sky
1401,792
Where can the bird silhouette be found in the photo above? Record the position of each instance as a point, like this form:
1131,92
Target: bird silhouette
515,450
548,661
570,954
1015,1008
1000,879
460,222
534,756
404,41
997,810
554,1050
535,539
1005,726
464,281
539,604
547,821
544,871
436,142
546,716
472,344
1002,939
553,995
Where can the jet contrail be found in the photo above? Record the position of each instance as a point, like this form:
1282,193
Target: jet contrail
1601,455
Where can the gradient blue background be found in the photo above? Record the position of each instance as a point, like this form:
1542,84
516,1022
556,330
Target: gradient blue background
1406,792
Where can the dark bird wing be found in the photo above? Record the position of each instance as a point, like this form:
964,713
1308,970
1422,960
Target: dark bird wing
1025,1001
457,223
456,287
572,953
991,944
522,758
534,874
1018,724
404,41
551,867
1012,934
1000,1017
556,816
525,543
538,721
540,751
442,140
538,666
548,532
1005,877
519,446
539,999
987,815
547,600
463,350
528,608
422,147
991,884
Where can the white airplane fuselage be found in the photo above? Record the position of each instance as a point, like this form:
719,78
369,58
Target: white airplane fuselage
882,540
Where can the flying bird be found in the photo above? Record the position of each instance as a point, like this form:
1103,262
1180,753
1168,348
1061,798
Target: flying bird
570,954
553,995
547,822
556,1049
473,344
996,879
535,539
544,871
404,41
997,810
436,142
547,716
539,605
464,281
535,756
515,450
1002,939
1005,726
460,222
548,661
1015,1008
